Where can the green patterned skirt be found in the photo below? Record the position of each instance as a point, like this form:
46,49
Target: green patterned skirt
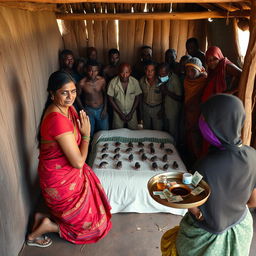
195,241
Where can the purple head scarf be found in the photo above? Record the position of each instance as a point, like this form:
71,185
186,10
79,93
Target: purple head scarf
208,134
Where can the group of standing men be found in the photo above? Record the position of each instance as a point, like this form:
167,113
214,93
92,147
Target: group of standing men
117,95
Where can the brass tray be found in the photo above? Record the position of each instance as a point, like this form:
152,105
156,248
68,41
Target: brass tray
189,201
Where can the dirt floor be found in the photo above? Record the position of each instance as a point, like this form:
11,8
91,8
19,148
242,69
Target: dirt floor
132,235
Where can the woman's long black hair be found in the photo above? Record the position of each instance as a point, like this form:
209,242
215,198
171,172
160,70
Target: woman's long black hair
56,81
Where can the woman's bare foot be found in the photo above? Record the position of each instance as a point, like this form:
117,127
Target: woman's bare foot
38,219
46,226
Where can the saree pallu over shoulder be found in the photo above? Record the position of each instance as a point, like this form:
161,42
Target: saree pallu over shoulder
216,81
74,196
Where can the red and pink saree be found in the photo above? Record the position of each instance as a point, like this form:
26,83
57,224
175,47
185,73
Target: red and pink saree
75,196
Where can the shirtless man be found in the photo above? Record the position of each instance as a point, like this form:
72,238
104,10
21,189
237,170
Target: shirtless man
111,70
92,91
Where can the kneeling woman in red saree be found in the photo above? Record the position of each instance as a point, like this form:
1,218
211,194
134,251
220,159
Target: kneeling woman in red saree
80,211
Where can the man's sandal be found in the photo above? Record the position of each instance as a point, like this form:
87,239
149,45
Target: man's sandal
38,241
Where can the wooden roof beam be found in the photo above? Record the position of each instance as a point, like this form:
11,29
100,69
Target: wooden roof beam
246,84
227,6
209,7
244,6
33,7
154,16
128,1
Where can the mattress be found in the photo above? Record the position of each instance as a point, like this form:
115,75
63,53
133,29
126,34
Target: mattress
126,187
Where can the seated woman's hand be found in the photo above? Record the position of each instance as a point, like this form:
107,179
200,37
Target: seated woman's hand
84,124
196,212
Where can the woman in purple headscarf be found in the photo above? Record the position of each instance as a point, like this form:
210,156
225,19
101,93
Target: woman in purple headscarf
223,225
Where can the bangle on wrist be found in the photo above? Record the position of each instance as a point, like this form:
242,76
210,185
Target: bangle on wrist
86,138
199,217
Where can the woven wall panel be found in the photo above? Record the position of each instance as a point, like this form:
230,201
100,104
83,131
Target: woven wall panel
29,44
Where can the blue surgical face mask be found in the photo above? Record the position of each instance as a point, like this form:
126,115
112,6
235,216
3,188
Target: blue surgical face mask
164,79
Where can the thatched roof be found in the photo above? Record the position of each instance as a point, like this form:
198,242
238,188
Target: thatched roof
140,9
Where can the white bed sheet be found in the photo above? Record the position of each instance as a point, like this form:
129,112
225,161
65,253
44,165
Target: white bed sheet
126,188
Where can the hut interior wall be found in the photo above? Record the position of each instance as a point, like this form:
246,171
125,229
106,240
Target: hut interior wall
130,35
29,43
224,29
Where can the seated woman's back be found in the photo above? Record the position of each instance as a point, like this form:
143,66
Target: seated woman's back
231,175
229,167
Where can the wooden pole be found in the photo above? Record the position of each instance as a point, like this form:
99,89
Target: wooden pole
90,29
148,33
112,34
123,42
105,32
174,34
130,40
32,7
183,36
157,37
165,34
246,84
129,1
98,39
153,16
138,40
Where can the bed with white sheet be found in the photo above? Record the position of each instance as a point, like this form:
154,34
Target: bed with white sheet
126,187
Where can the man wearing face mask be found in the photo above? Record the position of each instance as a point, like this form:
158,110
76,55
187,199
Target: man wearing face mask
172,92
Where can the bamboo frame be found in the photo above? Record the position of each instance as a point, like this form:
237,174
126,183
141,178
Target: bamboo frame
227,6
246,85
153,16
38,7
129,1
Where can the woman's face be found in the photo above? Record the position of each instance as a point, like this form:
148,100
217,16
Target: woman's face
192,73
66,95
212,62
150,72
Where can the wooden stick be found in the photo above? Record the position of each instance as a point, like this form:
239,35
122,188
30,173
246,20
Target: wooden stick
90,29
152,16
98,39
165,34
130,41
148,33
33,7
227,6
247,80
138,40
183,36
129,1
157,31
174,34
